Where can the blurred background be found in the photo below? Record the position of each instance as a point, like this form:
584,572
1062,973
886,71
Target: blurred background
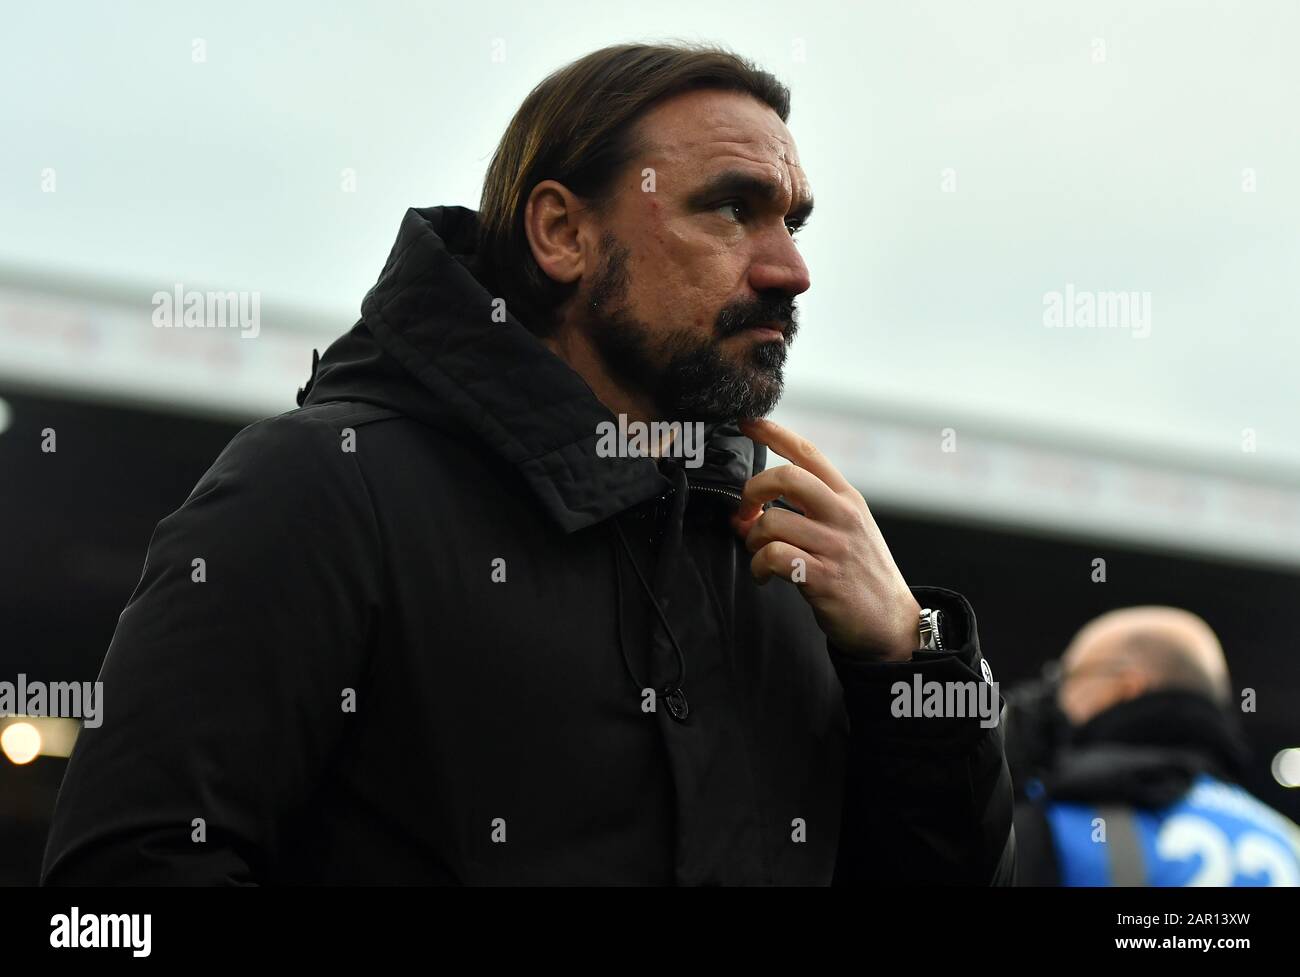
984,173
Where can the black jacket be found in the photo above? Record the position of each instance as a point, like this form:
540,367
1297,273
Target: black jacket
477,582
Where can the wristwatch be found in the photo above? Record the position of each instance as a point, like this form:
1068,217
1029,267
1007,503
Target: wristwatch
931,638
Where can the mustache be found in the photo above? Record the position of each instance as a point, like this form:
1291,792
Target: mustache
765,311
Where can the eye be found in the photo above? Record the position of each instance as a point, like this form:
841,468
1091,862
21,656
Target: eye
737,207
739,212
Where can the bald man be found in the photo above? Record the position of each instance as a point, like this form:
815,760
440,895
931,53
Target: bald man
1147,789
1130,652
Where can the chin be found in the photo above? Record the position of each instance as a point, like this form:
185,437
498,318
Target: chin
767,359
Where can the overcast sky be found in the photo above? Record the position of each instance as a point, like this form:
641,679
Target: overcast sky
968,159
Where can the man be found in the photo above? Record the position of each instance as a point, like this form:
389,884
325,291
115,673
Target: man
449,629
1146,790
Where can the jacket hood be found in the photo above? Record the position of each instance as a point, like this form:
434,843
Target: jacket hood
427,346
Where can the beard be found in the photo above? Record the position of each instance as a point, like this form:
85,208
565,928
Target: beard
688,376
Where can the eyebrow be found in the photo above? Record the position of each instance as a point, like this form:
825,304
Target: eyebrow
735,183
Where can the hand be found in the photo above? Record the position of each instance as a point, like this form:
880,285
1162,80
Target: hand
848,576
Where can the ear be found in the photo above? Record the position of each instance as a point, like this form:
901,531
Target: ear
553,220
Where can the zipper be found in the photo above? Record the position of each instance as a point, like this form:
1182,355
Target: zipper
700,487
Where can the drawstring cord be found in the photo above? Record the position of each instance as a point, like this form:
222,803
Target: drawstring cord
618,588
674,693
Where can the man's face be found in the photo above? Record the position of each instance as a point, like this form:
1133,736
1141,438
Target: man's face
692,303
1095,677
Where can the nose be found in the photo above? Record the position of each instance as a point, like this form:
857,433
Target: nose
780,267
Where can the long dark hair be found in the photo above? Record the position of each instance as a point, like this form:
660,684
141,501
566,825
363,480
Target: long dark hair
578,127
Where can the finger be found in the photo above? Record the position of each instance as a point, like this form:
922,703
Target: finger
796,484
782,525
743,526
781,560
796,450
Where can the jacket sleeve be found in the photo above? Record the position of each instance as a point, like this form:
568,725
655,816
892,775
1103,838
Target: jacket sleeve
928,799
223,689
1036,863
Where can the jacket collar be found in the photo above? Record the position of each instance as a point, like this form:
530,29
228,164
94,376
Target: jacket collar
1169,720
429,345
